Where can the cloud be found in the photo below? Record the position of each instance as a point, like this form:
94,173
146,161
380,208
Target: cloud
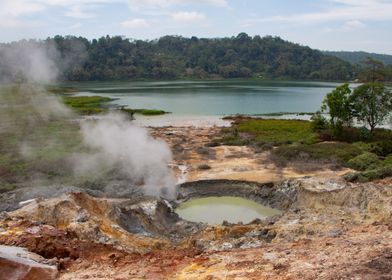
14,13
340,10
137,4
78,12
188,16
135,23
353,24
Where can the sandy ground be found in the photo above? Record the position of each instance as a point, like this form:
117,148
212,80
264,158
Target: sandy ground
194,160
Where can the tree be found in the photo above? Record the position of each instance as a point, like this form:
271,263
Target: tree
374,71
338,104
372,103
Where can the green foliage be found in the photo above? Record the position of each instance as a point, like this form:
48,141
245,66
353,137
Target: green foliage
381,148
374,71
388,160
174,57
323,152
372,103
277,132
34,144
370,175
318,122
360,57
364,133
338,104
87,105
364,162
144,112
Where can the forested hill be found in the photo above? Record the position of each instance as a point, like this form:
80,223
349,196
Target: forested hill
173,57
360,57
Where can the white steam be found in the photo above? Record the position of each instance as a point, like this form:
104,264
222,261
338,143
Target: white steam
131,150
28,61
113,143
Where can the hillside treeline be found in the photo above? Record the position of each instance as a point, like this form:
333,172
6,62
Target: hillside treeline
176,57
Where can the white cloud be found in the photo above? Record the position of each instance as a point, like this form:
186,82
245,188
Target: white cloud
135,23
137,4
353,24
340,10
78,12
13,12
188,16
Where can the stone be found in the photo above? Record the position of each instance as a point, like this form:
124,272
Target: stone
17,263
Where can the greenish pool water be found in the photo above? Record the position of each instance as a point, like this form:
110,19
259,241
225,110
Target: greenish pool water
215,210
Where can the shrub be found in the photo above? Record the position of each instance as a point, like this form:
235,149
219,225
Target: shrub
375,174
326,152
364,162
364,133
388,160
382,148
318,122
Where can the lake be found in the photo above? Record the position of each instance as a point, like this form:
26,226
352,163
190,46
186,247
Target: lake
213,98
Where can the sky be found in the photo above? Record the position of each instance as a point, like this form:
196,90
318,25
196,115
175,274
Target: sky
350,25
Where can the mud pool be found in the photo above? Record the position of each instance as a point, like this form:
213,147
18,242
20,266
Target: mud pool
215,210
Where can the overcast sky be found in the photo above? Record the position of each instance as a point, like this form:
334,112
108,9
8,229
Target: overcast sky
323,24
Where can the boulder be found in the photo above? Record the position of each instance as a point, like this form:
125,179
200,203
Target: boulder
17,263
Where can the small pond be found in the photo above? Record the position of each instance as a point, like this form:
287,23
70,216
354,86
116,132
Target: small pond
215,210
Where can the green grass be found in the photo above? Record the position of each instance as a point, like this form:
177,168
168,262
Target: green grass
87,105
144,112
280,114
323,152
292,142
277,132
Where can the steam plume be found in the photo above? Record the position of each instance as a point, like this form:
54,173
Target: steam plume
112,142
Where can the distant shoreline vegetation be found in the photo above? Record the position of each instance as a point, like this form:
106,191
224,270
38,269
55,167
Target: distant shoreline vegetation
175,57
92,105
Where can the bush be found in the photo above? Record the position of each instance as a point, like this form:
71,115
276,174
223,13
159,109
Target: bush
364,133
364,162
379,173
382,148
388,161
326,152
318,122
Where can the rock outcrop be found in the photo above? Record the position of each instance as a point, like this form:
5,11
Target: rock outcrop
18,264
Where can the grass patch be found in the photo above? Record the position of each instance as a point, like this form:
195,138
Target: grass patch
144,112
87,105
275,132
280,114
370,175
364,162
339,153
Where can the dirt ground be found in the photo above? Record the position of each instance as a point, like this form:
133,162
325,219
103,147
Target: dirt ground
334,230
191,149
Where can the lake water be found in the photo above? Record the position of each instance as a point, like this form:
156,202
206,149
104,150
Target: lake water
215,210
213,98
